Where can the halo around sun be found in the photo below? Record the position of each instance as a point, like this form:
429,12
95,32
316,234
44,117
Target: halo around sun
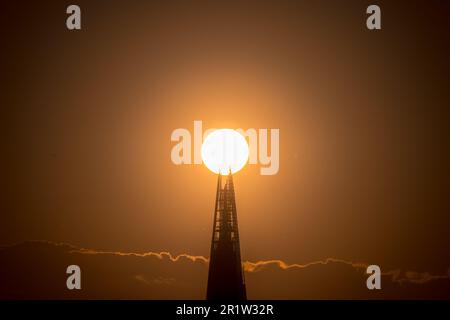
224,150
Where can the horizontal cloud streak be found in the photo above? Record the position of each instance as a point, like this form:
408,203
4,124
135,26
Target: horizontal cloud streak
259,265
396,275
159,255
163,275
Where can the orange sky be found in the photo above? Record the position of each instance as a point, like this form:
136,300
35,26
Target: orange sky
363,121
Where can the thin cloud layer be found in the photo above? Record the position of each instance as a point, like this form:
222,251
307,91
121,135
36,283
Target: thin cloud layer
37,270
159,255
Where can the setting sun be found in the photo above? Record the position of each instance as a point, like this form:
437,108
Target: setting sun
224,150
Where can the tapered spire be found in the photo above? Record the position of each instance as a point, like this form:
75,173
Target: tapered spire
225,276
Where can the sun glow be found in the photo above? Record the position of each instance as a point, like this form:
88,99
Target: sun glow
224,150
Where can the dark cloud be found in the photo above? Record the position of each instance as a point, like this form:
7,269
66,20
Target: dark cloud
37,270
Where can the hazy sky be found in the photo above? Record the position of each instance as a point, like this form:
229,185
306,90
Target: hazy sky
363,117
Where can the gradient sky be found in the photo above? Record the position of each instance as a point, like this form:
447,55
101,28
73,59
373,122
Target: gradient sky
363,118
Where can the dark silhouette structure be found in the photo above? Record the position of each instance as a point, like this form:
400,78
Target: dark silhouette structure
225,276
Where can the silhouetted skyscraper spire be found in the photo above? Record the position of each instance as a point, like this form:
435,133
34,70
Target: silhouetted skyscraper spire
225,276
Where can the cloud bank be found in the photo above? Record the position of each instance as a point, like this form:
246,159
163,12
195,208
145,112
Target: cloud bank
37,270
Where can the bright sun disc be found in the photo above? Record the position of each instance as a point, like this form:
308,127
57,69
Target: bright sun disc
225,149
